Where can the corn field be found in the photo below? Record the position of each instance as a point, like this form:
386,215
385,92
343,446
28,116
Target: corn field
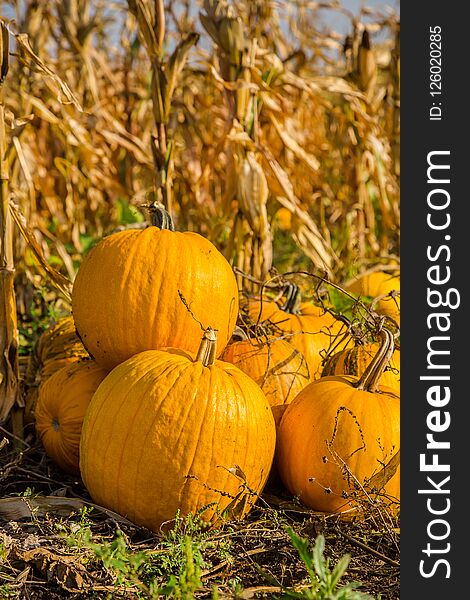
256,124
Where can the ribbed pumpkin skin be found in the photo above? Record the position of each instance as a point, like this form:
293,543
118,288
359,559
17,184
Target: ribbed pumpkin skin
313,330
57,347
276,366
353,361
377,284
160,417
125,296
315,427
62,402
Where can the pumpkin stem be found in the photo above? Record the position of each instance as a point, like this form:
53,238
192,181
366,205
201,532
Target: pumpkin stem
208,348
371,376
159,217
292,303
239,334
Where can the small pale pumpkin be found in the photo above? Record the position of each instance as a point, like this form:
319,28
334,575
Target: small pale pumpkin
147,289
167,432
341,435
62,402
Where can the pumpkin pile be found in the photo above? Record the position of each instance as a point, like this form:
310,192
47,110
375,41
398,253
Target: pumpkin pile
170,413
165,427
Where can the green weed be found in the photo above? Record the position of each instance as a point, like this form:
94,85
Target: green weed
323,580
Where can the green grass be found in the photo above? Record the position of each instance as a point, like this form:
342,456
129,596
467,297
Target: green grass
324,581
174,569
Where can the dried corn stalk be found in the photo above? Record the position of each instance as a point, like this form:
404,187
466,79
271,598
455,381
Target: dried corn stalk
251,100
253,239
366,66
9,390
165,75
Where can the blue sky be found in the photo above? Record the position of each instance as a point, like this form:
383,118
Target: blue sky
6,7
355,5
332,18
342,25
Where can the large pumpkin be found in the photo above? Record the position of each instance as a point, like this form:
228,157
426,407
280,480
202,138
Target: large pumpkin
354,361
375,284
62,402
148,289
166,432
309,328
340,437
55,348
275,365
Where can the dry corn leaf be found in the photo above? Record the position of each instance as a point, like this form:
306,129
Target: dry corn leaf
9,345
14,509
144,12
232,86
66,570
307,234
135,149
62,87
61,282
253,194
43,111
380,479
175,66
293,146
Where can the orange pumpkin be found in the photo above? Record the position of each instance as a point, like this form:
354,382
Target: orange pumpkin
56,347
375,284
62,402
309,328
354,361
275,365
167,432
341,435
148,289
283,219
